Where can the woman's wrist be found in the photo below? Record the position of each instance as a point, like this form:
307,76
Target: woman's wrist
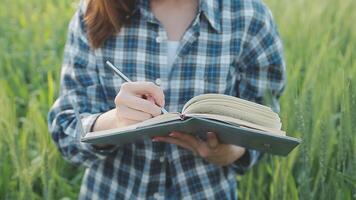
105,121
236,152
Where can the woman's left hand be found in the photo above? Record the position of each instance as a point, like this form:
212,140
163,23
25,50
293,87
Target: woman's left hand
211,150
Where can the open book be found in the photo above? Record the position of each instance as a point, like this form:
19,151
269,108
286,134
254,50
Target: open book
234,120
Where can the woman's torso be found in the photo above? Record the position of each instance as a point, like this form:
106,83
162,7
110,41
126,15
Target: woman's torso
206,62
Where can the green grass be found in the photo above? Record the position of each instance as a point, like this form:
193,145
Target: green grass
319,104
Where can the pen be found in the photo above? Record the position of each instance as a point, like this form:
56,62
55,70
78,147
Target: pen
118,72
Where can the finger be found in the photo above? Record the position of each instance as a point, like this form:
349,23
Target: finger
132,114
149,98
176,142
201,147
186,138
138,103
149,88
212,140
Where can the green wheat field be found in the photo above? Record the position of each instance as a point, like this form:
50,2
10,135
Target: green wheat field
318,106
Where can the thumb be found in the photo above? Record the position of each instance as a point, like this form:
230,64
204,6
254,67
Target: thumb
212,140
150,99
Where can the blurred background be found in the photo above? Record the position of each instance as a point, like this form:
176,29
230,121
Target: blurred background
318,106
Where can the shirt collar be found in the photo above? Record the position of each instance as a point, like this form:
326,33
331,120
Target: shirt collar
209,8
144,7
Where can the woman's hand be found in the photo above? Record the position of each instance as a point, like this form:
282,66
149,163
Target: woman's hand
135,102
211,150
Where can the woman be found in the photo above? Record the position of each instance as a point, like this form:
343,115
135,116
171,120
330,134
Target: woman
172,50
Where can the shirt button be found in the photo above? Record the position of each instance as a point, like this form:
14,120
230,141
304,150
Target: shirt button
158,81
159,39
156,195
161,159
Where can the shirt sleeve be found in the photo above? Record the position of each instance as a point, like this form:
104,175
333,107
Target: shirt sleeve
262,71
80,88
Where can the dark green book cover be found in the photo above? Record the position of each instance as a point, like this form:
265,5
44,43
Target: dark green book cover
227,133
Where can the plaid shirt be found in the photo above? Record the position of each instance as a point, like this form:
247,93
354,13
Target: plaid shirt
232,47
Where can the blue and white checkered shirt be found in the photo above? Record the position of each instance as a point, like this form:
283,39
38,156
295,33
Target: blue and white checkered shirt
232,47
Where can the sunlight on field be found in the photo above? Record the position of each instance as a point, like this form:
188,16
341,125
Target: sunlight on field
319,103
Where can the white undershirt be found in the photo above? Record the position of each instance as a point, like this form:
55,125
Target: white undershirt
172,47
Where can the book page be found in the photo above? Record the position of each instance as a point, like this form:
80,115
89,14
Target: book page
212,108
167,117
236,105
226,119
226,97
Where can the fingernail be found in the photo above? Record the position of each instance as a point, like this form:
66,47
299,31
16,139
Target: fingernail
211,135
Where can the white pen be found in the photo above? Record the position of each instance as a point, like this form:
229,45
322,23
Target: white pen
118,72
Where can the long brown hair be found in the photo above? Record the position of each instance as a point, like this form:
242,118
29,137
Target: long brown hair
104,18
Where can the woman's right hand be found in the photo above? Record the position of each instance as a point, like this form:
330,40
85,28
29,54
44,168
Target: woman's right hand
135,102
